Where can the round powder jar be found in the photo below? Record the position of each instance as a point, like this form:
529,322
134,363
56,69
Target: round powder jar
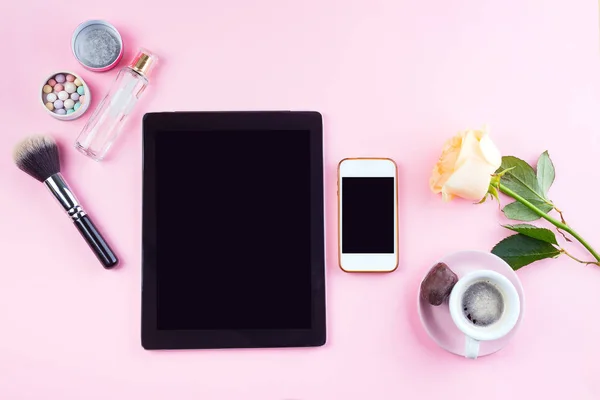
65,95
97,45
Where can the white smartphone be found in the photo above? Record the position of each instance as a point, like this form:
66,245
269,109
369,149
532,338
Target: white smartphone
368,215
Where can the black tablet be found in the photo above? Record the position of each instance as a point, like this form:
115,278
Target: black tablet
233,230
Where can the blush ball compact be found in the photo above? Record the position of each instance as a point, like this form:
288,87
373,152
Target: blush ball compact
65,95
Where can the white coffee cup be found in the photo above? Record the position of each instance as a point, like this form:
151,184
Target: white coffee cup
473,333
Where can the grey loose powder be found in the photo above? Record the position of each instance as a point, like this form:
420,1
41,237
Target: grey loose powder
97,47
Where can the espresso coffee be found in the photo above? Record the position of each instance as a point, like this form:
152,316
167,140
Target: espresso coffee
483,303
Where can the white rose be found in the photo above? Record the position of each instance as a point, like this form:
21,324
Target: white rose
466,166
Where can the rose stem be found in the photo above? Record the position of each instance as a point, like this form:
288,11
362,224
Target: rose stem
548,218
566,253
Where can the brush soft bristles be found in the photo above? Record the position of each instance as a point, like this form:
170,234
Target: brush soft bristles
37,156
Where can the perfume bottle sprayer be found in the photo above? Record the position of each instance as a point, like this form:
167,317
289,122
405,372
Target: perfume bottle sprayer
106,123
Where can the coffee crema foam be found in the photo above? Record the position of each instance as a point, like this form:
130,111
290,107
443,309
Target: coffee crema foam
483,303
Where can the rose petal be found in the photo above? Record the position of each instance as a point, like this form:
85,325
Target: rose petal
446,196
490,152
471,181
469,149
446,163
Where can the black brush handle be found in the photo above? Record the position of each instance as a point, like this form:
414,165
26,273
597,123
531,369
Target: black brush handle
96,242
59,188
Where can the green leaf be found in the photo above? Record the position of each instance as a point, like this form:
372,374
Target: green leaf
521,179
545,173
543,234
520,212
520,250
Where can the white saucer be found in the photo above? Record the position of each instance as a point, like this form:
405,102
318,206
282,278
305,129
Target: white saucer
437,321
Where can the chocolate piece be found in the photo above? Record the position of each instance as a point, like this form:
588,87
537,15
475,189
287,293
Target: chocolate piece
438,284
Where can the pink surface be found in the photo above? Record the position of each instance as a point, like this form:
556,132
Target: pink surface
393,79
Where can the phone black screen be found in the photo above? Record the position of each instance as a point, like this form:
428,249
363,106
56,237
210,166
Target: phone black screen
368,215
233,230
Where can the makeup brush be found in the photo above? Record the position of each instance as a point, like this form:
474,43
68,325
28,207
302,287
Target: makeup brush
38,157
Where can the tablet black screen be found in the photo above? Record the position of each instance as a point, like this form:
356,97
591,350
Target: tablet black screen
233,230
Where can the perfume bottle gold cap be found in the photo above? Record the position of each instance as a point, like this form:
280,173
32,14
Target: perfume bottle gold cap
144,62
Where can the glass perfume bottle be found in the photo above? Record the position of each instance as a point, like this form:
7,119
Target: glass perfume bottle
105,125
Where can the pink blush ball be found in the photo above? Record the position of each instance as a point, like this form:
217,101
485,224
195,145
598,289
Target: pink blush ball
58,87
51,82
70,78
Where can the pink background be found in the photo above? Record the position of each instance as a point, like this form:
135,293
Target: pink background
393,79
